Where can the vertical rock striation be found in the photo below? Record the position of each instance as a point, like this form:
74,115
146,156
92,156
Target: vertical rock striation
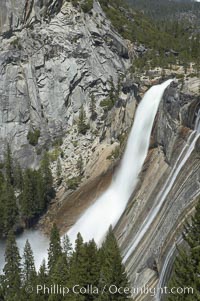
53,57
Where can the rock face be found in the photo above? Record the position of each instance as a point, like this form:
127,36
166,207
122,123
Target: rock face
16,14
53,60
53,57
170,177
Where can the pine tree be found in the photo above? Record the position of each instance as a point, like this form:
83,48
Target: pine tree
1,215
29,275
67,248
47,176
9,165
55,249
39,195
2,204
42,274
42,279
112,269
2,180
27,201
60,275
82,125
2,289
28,266
78,269
10,210
92,267
12,269
18,176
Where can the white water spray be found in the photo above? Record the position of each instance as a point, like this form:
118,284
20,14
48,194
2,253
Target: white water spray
108,208
39,244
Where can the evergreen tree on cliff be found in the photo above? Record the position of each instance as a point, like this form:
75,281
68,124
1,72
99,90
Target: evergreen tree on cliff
82,125
42,279
55,249
28,274
47,177
78,270
187,264
112,269
9,165
9,208
28,266
12,270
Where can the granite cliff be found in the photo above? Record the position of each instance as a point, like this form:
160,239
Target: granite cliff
51,64
53,59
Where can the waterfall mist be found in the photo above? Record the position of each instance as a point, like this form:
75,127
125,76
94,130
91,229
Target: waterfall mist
108,208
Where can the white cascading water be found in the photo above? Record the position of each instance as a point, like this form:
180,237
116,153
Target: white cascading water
108,208
182,159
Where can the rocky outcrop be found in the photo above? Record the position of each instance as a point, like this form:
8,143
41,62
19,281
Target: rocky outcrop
50,70
17,14
170,177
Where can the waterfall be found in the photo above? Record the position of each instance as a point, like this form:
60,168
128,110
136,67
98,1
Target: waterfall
108,208
182,159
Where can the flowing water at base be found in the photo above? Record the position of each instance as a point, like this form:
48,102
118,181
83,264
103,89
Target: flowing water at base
108,208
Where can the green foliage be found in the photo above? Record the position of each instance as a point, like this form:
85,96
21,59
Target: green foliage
87,5
107,104
9,165
167,10
18,176
112,269
73,183
33,137
82,125
168,41
54,154
33,188
75,3
85,266
115,154
12,270
55,250
28,266
47,176
9,209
